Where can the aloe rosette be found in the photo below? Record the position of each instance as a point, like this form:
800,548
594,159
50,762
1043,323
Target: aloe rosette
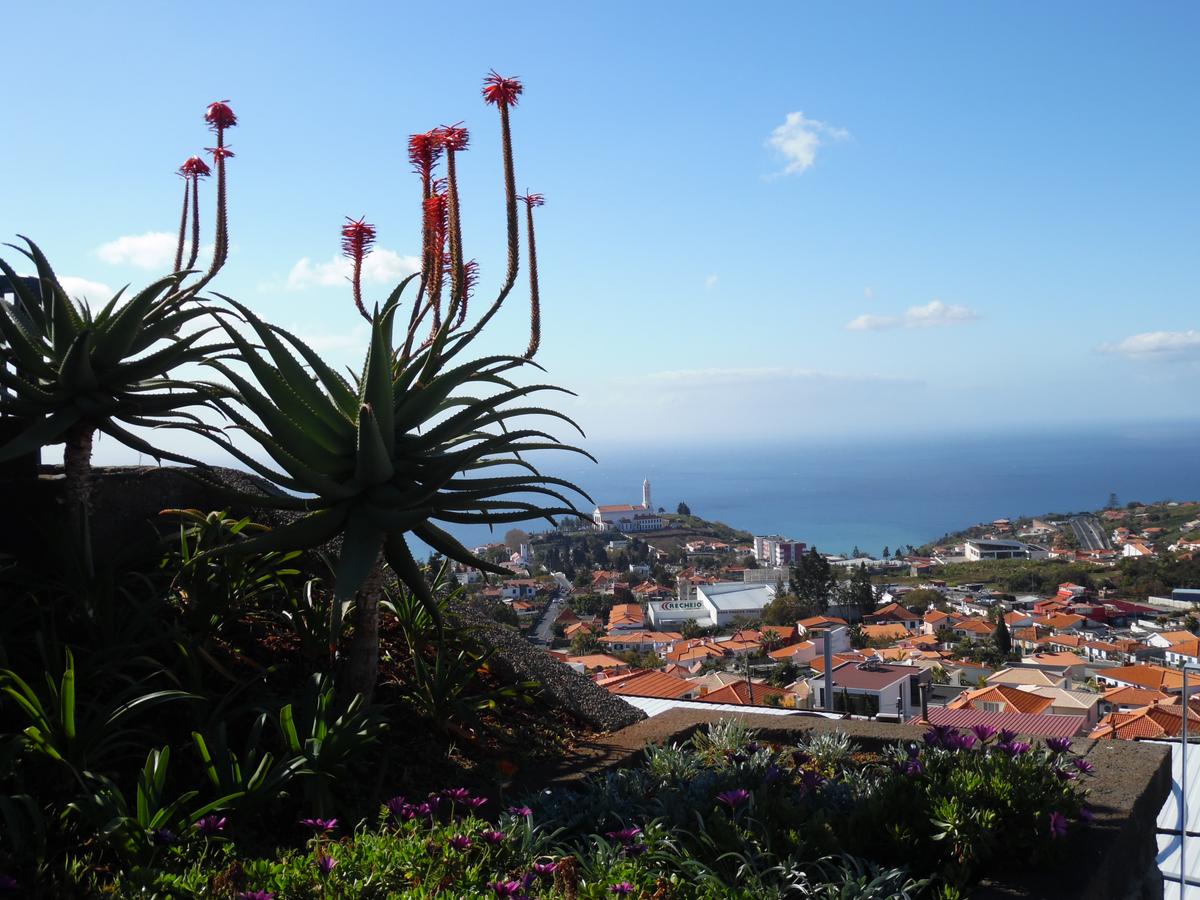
394,451
68,372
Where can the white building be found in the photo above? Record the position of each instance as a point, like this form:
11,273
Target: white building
978,549
713,604
627,517
773,550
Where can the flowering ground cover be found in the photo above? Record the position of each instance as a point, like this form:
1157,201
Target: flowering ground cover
720,816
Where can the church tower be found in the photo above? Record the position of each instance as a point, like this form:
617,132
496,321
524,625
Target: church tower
646,494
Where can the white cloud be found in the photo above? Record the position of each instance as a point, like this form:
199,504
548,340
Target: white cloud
798,139
356,339
711,281
152,250
83,289
933,314
1157,345
382,266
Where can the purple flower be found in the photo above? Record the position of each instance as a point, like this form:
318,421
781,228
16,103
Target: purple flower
457,795
625,835
1066,774
211,825
508,888
401,809
810,781
1058,825
255,895
1059,744
460,842
476,802
164,837
621,888
1086,815
1086,766
773,774
913,768
319,824
325,864
493,837
634,849
545,868
523,811
958,741
735,798
984,732
8,883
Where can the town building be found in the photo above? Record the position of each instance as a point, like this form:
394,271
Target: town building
626,517
977,549
773,550
871,688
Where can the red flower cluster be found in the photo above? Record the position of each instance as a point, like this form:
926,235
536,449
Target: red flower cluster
424,150
195,167
219,153
436,223
500,90
219,116
357,238
532,200
452,137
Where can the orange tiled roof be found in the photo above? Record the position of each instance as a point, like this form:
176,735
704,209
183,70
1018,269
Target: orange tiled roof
740,693
1014,699
1146,676
820,621
1133,696
651,684
791,650
887,632
893,612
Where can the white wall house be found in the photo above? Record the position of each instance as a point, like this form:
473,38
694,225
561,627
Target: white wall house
976,550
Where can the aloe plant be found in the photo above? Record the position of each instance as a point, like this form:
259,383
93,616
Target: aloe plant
411,441
69,372
397,450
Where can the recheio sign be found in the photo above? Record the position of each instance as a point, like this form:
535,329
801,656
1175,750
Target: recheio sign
677,606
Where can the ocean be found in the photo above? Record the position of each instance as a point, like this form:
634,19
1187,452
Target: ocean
880,491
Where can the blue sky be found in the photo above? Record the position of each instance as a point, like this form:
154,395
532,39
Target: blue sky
778,221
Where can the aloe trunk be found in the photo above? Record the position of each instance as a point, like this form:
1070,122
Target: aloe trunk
77,467
361,667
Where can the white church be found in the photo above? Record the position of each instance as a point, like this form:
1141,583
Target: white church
626,517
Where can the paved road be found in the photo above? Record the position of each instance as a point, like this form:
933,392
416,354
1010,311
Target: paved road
544,632
1090,533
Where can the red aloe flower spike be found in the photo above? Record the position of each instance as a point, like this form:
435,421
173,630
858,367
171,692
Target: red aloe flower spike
503,92
470,277
183,217
452,137
219,116
424,151
500,90
357,238
192,170
535,307
194,167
